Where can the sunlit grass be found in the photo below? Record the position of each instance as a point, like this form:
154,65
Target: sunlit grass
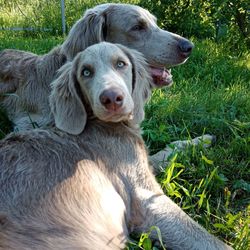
211,94
44,14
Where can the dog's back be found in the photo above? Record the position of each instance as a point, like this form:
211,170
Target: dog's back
25,85
13,70
14,61
64,195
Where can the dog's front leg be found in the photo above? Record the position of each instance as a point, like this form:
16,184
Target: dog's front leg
178,230
160,160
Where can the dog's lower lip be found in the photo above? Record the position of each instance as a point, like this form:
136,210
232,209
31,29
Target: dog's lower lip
117,116
161,76
185,55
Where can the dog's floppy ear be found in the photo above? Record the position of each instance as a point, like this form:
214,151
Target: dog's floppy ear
66,105
141,81
90,29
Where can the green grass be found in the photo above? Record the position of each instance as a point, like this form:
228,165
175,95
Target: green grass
40,14
211,94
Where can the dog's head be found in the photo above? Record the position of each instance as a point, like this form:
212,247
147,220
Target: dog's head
110,80
135,28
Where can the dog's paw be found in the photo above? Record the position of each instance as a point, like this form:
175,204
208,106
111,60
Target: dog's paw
204,141
161,159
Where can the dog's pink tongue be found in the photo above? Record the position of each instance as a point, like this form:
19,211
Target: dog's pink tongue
161,76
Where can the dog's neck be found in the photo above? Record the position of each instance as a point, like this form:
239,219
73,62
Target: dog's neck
116,127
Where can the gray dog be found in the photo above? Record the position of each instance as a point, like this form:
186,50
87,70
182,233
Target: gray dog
68,189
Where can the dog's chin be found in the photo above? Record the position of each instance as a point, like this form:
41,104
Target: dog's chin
114,116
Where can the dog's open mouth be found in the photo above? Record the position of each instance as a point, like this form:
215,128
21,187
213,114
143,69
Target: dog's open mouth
161,76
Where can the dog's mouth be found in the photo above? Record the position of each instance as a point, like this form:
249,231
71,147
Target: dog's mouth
116,116
161,76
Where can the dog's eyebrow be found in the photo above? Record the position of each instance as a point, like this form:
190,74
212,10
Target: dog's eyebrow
116,58
142,22
148,19
88,66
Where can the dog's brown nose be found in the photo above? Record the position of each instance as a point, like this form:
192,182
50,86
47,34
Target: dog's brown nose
185,47
112,99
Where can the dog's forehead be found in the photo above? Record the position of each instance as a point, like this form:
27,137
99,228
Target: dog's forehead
102,52
131,14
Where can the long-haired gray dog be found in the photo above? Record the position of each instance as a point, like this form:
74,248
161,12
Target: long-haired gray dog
68,189
28,76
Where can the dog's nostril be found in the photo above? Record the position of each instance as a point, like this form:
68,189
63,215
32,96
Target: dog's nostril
112,99
105,100
119,99
186,46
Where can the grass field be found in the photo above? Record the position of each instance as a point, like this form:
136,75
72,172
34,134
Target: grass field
211,95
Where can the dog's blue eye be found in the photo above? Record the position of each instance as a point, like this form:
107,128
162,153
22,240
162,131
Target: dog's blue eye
86,72
120,64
